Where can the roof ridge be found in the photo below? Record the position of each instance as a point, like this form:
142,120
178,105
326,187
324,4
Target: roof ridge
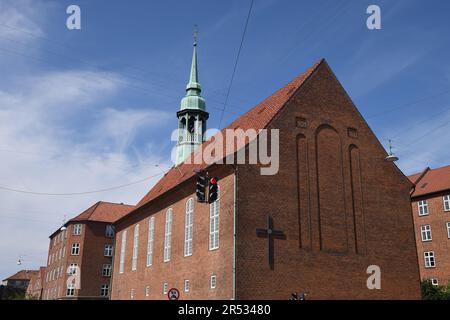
271,105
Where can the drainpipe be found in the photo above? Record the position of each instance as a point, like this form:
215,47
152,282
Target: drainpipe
112,262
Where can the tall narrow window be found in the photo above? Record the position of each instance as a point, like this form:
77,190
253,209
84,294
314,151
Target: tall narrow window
75,249
426,232
430,261
447,203
186,286
214,211
122,252
188,227
168,235
423,207
165,287
135,248
151,235
77,229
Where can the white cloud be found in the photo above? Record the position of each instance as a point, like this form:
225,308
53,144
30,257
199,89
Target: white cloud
40,152
16,21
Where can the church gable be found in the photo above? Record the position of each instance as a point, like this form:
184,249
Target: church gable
333,198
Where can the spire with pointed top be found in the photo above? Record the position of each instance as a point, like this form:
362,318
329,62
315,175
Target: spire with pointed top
193,99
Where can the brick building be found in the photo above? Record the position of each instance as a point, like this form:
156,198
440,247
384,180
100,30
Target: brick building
430,200
36,285
340,206
82,250
15,286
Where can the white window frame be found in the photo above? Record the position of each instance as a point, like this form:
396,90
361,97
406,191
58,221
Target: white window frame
422,206
147,291
75,251
150,240
77,229
187,285
168,235
106,270
213,282
70,292
214,222
109,232
132,294
430,259
425,232
165,287
108,250
135,248
104,290
188,227
434,281
122,251
73,269
446,201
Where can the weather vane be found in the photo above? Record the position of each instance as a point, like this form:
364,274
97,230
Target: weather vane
195,34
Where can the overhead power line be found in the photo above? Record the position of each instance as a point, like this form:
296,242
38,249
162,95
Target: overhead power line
236,63
81,192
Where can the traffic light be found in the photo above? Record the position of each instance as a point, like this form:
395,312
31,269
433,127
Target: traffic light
201,186
213,189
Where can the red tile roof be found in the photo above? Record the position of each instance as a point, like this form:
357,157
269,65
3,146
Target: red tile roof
431,181
104,212
23,275
256,118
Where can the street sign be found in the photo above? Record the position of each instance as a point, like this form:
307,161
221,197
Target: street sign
173,294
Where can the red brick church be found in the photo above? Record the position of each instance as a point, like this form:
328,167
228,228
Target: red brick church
334,208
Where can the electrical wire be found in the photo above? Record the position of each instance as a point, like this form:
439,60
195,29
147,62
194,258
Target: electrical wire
236,63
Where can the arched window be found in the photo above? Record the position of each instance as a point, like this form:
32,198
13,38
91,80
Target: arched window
214,212
168,235
135,247
122,251
151,236
188,227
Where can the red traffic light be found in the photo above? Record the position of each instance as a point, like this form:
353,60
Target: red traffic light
213,180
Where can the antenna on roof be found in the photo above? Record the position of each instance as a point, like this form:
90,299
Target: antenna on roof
391,157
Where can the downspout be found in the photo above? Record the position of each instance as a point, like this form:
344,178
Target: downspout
112,263
234,232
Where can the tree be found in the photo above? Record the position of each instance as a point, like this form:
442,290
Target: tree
433,292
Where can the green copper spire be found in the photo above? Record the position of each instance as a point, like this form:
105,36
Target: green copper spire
192,115
193,100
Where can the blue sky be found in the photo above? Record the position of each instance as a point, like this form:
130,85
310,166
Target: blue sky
94,108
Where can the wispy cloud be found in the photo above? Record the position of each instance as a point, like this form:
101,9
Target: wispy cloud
60,132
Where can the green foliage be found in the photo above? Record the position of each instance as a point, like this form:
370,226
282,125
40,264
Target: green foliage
432,292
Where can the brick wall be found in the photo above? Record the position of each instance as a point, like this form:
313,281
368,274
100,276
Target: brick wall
437,218
341,206
197,268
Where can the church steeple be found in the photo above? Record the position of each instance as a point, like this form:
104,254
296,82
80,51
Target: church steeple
192,115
